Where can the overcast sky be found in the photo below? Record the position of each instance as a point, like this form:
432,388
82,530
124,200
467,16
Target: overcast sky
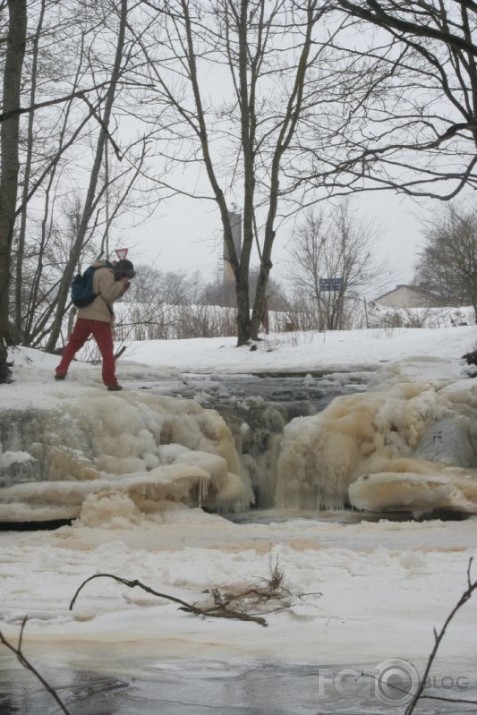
185,234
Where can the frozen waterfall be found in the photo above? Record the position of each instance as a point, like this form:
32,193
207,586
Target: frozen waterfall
401,445
138,450
404,445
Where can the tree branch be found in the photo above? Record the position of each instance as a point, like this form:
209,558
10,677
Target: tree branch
49,102
471,587
375,13
23,660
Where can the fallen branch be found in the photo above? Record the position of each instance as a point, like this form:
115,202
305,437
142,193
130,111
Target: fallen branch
23,660
217,611
120,352
270,595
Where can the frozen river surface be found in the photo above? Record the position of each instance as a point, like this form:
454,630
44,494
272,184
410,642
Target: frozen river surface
132,657
153,688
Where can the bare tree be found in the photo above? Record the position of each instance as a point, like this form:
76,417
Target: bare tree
91,196
332,263
261,54
51,61
417,132
447,265
61,151
20,247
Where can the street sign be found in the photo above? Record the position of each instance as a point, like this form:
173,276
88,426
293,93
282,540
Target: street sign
330,284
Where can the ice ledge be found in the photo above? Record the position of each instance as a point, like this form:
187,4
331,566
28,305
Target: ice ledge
415,493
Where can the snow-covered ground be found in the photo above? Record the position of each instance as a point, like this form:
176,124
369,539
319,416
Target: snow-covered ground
361,592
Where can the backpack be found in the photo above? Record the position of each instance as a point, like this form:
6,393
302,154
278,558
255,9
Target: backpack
82,293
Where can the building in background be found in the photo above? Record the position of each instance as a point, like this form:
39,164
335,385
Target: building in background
407,296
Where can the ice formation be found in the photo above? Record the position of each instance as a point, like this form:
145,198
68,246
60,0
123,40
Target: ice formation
418,493
399,427
145,450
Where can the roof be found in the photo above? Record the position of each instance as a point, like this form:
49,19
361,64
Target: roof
413,288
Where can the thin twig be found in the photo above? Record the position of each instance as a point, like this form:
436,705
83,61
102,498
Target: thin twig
471,587
23,660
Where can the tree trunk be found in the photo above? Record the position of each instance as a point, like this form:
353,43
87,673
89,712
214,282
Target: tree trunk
243,312
19,319
259,305
9,140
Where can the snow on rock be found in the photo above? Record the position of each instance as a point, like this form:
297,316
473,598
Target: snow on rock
447,441
416,493
175,483
9,458
15,465
404,424
98,445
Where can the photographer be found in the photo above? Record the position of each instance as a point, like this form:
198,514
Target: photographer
110,282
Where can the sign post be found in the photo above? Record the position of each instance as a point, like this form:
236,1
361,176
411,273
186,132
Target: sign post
330,285
121,253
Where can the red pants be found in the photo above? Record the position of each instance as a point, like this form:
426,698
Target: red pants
103,335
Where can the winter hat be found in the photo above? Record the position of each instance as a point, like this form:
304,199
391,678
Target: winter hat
124,269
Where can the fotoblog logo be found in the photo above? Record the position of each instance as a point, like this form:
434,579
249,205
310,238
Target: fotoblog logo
395,682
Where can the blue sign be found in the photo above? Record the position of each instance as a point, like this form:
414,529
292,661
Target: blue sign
330,284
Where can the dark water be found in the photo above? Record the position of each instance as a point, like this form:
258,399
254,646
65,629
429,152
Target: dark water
342,516
226,690
217,390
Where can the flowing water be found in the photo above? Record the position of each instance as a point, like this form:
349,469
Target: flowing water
263,404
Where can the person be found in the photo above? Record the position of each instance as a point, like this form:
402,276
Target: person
110,282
